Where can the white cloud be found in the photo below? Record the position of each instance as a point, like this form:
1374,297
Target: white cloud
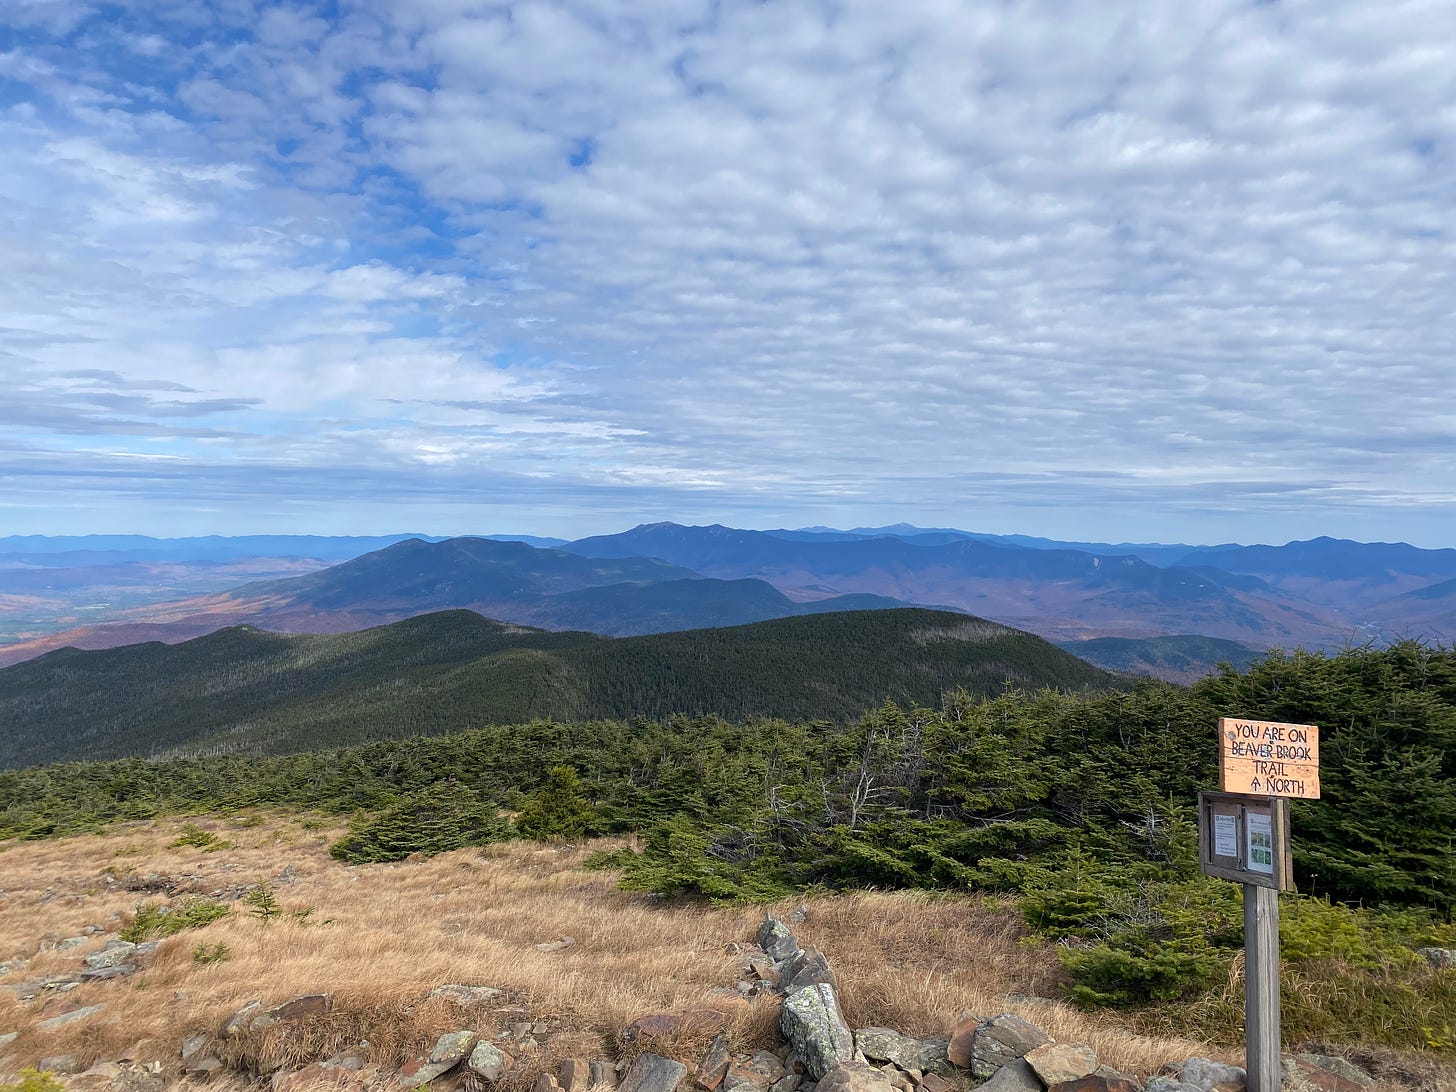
1104,271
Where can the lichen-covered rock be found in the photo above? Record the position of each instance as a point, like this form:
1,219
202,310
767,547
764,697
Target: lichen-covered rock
811,1022
1057,1063
1001,1040
488,1062
1207,1075
888,1045
854,1076
114,955
1322,1073
1439,958
653,1073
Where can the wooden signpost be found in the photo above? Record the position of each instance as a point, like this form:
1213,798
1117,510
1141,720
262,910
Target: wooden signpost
1243,836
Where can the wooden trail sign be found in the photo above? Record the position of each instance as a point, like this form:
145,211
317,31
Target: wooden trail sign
1243,836
1267,758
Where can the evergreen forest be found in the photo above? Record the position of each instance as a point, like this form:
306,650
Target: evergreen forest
1078,805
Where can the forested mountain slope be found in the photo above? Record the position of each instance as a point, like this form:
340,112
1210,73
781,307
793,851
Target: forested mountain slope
243,689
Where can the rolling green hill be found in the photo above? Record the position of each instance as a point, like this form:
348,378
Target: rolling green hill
250,691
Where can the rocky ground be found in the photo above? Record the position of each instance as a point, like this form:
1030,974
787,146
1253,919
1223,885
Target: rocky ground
513,970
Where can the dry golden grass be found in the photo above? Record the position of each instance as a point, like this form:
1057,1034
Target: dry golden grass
381,936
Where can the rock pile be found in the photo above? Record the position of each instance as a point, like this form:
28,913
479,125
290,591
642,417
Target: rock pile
502,1042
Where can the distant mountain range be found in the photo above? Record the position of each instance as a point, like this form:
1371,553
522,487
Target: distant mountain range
659,577
246,690
505,580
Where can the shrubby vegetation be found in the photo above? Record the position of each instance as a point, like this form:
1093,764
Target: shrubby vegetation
1081,805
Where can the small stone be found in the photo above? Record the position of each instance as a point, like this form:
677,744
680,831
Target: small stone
202,1065
603,1074
934,1082
547,1083
1322,1073
556,945
107,1071
1014,1076
799,916
789,1082
653,1073
101,974
1058,1063
853,1077
72,1017
714,1064
488,1062
238,1021
71,942
452,1047
1094,1083
193,1043
60,1063
8,1038
574,1075
1210,1076
1164,1083
307,1079
310,1004
466,995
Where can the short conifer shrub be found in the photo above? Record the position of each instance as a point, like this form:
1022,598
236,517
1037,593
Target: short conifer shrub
443,817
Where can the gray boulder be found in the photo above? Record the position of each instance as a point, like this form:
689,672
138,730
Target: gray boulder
1439,958
487,1062
1058,1063
1014,1076
72,1017
1001,1040
450,1050
806,967
114,955
854,1076
776,940
653,1073
1207,1075
888,1045
811,1022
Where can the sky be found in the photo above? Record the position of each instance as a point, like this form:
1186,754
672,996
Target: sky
1119,271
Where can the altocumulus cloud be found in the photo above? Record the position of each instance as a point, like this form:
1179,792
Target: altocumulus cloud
1115,270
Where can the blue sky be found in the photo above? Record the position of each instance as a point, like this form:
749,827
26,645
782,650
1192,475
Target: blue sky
1121,271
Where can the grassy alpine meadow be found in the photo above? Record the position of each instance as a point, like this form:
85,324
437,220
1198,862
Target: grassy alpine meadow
381,936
